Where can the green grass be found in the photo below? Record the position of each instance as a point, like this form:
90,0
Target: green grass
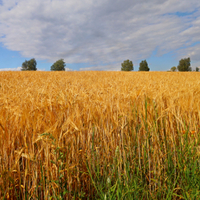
179,179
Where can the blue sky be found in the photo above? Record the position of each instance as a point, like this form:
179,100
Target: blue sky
99,35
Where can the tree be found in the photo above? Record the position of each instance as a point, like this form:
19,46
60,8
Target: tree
127,66
59,65
29,65
197,69
144,66
184,65
173,69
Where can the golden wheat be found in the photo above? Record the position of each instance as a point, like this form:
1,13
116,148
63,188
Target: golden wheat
42,112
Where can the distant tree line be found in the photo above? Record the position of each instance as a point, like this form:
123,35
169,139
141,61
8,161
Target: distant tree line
30,65
127,65
184,66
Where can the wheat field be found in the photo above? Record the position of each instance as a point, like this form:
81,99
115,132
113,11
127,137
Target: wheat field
64,134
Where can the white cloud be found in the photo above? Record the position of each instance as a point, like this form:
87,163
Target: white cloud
11,69
68,69
17,69
95,32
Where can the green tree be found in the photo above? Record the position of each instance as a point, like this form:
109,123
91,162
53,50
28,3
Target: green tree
184,65
59,65
144,66
173,69
127,66
197,69
29,65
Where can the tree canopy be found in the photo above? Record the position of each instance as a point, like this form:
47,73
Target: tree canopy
127,66
184,65
173,69
59,65
144,66
29,65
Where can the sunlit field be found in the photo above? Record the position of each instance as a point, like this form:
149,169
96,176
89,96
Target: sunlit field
99,135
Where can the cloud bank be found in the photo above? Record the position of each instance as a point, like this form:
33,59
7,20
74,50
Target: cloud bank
101,33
